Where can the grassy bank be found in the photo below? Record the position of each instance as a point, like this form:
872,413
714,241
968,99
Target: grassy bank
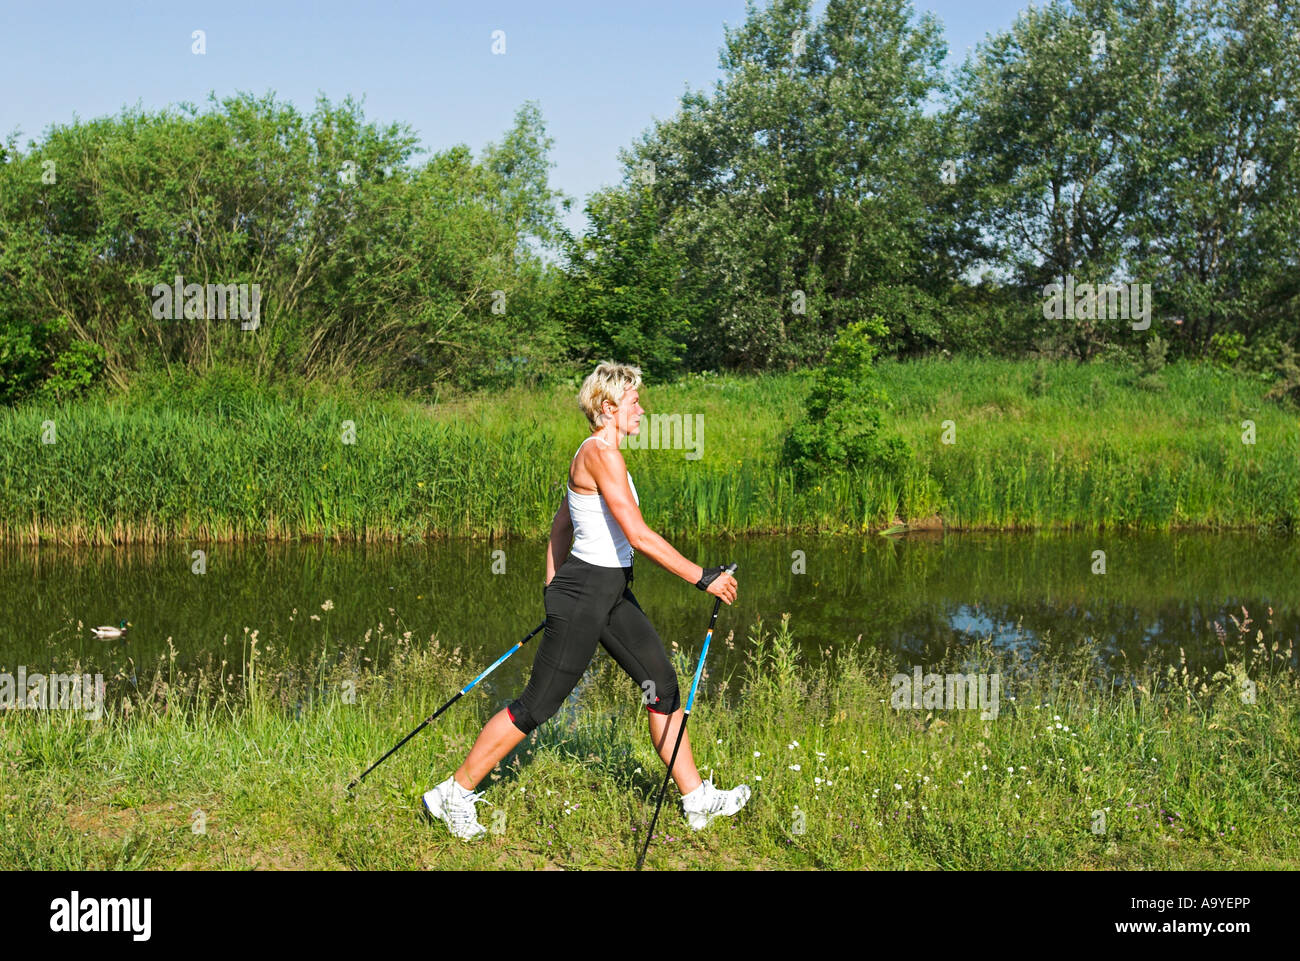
1073,446
1189,773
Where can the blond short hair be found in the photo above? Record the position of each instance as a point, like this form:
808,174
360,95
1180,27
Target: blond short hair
608,382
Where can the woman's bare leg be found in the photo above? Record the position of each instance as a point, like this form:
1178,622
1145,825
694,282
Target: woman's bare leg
663,733
497,739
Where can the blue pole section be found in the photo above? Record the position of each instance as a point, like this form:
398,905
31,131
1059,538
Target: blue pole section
456,697
497,663
699,670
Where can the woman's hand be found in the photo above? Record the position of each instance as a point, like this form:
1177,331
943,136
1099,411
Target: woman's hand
723,586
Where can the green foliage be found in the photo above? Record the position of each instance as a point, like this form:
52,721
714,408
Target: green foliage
622,295
520,166
1191,776
367,263
801,197
1116,355
73,370
40,359
843,427
223,455
810,189
1287,387
1225,348
1152,363
989,319
1142,140
1218,235
21,350
1268,359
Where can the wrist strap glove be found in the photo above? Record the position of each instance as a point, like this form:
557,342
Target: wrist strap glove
709,576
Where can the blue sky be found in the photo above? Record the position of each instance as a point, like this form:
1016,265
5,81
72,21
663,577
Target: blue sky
601,71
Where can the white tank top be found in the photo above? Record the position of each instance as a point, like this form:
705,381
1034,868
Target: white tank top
597,537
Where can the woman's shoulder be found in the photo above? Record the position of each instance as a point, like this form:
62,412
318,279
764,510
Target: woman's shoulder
603,457
605,454
600,441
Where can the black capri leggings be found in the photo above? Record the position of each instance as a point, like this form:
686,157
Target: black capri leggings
586,604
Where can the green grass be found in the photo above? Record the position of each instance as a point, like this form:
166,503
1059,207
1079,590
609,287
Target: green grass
220,458
1189,774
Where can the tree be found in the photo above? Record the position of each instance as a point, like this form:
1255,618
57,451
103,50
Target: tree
805,192
1143,141
1220,234
622,295
366,263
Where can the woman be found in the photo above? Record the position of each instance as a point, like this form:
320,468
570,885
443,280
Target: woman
588,601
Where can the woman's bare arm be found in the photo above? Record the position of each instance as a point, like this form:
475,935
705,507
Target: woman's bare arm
610,473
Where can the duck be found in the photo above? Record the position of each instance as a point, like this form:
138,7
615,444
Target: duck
107,632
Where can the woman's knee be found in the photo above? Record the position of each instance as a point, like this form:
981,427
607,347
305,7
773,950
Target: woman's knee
520,717
528,714
661,696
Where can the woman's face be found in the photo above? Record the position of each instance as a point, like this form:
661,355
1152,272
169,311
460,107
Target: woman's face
628,416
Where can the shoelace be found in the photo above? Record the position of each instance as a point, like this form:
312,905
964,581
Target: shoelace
713,800
462,809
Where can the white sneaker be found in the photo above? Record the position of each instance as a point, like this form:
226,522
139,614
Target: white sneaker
706,803
446,802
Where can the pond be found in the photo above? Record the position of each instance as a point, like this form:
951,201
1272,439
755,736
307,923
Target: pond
915,595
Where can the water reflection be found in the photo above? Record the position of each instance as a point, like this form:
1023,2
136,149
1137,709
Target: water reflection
916,596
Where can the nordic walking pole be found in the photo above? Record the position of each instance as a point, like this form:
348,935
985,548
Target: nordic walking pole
461,693
686,716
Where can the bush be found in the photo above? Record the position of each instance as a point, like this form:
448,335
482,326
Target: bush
73,370
1287,388
36,359
1225,348
20,360
1268,359
1114,355
1152,363
842,429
